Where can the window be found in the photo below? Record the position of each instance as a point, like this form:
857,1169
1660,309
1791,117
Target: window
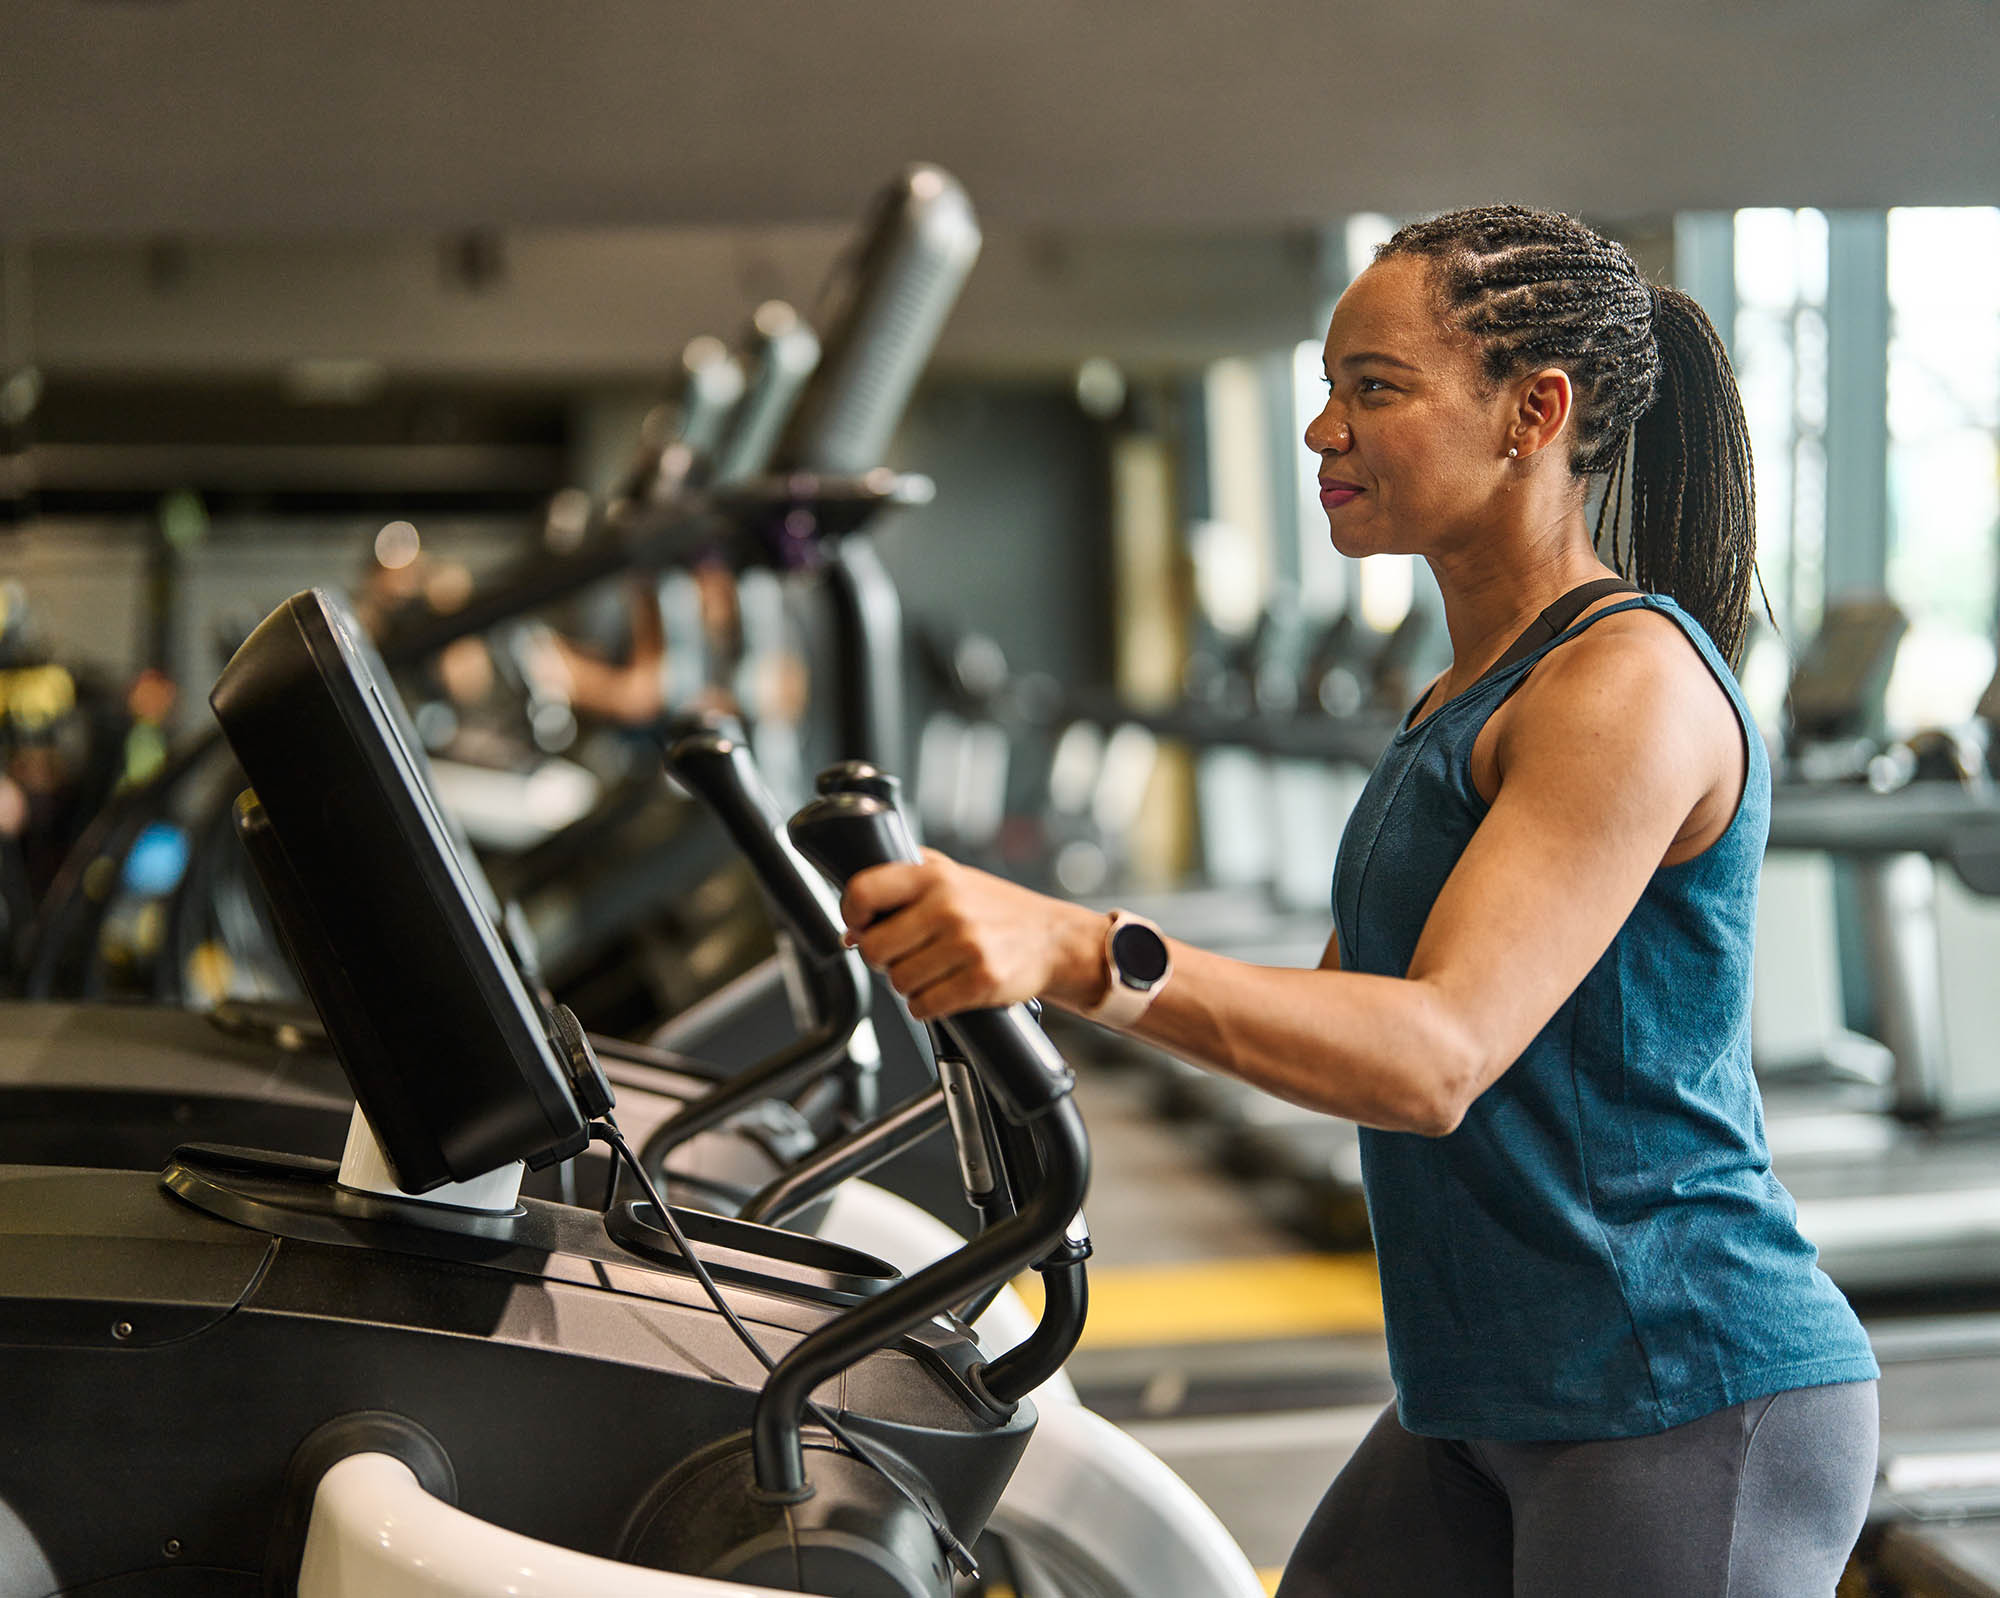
1780,350
1944,464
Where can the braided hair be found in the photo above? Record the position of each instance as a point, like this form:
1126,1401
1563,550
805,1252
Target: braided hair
1655,398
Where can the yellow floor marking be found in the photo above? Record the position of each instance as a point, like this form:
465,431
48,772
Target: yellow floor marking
1227,1301
1000,1590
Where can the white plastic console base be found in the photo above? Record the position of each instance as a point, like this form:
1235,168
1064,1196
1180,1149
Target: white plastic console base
364,1168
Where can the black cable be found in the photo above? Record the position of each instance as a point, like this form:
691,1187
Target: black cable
606,1131
611,1175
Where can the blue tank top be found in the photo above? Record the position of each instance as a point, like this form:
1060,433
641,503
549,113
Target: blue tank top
1600,1248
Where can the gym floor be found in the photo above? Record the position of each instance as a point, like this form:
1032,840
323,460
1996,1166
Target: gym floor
1250,1364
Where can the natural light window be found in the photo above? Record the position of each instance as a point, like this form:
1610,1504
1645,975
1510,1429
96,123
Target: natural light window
1944,463
1780,349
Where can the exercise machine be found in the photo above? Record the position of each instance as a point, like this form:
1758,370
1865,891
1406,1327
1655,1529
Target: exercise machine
322,1351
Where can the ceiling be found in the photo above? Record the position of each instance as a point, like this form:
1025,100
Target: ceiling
136,117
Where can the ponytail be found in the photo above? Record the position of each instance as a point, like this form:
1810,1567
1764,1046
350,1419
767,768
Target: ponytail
1694,512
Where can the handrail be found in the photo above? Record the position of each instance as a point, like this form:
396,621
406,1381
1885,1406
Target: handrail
1030,1233
782,1075
861,1151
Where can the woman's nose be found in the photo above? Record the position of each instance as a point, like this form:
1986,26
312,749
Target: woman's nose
1328,434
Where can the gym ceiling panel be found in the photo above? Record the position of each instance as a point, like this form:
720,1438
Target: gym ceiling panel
137,116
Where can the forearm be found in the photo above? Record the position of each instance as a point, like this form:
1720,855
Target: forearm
1384,1051
628,693
1592,797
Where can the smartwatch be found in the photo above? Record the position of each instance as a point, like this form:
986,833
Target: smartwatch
1136,958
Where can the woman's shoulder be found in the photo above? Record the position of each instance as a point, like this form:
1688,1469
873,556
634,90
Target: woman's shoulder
1632,683
1629,656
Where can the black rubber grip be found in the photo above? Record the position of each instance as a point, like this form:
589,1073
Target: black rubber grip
844,833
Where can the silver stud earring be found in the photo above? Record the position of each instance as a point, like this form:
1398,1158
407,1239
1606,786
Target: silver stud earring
1512,453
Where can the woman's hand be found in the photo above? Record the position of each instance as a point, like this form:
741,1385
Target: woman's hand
950,938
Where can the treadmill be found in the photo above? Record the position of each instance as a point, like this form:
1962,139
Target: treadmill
1909,1204
1897,1174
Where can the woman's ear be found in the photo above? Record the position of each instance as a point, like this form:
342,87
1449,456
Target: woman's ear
1542,404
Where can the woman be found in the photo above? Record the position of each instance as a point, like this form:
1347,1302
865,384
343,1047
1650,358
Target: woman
1618,1369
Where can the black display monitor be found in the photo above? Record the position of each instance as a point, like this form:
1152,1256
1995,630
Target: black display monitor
392,927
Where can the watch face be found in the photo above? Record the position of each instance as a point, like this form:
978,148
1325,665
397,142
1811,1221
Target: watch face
1139,954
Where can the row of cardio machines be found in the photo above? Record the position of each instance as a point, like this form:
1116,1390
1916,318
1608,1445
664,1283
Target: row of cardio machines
257,1371
769,471
360,1338
766,465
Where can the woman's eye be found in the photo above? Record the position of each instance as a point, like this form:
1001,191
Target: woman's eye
1362,385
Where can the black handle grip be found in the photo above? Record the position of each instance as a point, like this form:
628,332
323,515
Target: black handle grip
717,767
847,832
861,776
844,833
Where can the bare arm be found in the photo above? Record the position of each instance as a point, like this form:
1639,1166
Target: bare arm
1605,758
630,693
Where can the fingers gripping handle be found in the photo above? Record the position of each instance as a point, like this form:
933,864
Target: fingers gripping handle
844,833
719,769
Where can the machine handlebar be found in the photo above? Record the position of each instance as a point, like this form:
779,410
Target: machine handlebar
843,833
716,765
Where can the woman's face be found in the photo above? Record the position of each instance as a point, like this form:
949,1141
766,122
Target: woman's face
1412,446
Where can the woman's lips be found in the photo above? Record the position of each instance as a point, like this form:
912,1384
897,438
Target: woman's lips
1334,494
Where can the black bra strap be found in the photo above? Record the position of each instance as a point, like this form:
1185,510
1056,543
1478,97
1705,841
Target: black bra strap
1551,624
1557,619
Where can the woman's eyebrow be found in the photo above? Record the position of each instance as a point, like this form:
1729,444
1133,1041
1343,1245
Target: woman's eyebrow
1375,358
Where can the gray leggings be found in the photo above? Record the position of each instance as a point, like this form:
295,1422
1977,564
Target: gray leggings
1760,1500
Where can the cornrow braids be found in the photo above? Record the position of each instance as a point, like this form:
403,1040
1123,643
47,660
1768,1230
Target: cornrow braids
1649,377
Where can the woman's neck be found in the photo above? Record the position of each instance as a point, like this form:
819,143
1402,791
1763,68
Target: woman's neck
1493,587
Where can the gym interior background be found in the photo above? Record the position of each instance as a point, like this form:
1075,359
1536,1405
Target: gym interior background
392,299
